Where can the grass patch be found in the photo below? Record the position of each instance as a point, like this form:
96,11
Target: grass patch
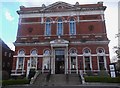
102,79
15,82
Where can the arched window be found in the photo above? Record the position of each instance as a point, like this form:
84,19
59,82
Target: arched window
87,59
101,58
20,59
33,59
46,60
48,27
60,27
72,26
73,59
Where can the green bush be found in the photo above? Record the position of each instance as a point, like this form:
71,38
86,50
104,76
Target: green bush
102,79
5,75
15,82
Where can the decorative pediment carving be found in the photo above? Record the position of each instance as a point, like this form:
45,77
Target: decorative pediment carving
59,41
58,6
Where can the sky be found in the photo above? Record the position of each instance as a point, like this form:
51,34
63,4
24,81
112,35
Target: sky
9,18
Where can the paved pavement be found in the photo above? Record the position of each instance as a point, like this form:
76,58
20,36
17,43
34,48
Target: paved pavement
87,85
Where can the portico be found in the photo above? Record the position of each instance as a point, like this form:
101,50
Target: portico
59,56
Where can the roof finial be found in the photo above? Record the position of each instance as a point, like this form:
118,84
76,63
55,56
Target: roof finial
100,2
77,3
43,5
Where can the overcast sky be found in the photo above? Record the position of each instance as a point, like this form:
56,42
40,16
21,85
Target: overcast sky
9,17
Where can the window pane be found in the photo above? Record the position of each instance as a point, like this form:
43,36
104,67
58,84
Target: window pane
72,26
48,28
59,28
46,52
73,62
101,62
87,63
20,62
101,59
87,59
73,51
34,52
86,50
21,52
33,62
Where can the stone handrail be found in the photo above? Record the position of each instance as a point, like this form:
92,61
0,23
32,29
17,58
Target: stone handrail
35,76
81,75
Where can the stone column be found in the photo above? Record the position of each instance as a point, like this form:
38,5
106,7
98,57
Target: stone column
76,64
51,61
66,60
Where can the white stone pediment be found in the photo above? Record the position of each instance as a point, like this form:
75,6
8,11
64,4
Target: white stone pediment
58,6
59,41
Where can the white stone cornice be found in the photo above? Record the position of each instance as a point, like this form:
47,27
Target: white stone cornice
32,44
97,20
70,13
28,56
90,42
81,55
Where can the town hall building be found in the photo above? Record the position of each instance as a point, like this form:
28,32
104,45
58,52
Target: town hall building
61,38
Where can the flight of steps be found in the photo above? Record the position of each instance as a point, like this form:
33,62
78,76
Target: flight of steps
41,80
74,79
58,79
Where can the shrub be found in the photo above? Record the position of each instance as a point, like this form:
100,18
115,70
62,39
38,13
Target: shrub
102,79
15,82
103,73
5,75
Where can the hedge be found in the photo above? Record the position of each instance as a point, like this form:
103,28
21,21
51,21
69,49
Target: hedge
15,82
102,79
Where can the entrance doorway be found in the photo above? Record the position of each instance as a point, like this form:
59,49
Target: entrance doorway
59,61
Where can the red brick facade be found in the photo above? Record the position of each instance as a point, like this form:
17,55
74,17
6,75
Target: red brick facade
80,51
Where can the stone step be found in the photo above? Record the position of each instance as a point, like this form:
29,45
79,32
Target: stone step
41,79
57,79
74,79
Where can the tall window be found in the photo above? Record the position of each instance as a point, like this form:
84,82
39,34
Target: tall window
33,59
73,58
87,59
60,27
46,60
72,26
48,28
73,62
20,61
87,62
101,62
101,58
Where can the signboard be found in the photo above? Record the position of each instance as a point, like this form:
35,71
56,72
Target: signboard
112,70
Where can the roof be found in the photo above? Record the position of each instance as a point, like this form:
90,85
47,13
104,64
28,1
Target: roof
4,45
61,6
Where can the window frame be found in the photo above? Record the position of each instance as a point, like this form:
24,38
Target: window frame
48,28
59,27
72,31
